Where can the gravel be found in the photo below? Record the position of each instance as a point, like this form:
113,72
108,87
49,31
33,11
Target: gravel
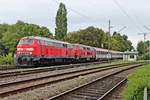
53,89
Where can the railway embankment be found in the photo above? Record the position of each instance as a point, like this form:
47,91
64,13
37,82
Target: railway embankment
137,81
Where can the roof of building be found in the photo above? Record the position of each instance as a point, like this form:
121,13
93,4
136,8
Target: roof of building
131,52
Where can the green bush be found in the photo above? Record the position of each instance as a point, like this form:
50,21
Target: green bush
7,59
146,56
136,83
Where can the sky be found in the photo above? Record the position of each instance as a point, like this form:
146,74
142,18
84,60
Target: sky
132,14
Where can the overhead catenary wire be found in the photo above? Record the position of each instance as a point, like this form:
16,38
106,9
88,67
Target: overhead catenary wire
128,16
147,28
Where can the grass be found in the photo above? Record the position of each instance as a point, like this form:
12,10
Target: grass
7,61
5,67
136,83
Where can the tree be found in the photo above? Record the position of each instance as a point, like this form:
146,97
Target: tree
3,49
146,56
140,48
90,36
10,41
10,34
61,22
143,49
121,42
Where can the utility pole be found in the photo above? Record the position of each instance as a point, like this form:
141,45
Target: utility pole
144,34
148,41
109,41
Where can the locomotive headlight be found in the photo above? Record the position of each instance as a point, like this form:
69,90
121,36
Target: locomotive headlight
19,48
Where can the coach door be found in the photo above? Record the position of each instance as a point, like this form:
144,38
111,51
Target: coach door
65,49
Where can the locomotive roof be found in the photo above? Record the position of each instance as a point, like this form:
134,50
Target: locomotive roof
84,45
47,39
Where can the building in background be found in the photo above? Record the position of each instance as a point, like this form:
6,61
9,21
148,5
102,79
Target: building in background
130,56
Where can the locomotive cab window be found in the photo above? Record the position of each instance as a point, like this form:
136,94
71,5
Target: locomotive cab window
26,41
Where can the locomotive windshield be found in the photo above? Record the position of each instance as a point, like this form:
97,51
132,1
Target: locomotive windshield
26,41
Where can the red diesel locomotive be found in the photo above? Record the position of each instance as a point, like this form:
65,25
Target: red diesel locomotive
34,50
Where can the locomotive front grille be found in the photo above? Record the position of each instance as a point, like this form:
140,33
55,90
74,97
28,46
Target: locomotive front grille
24,53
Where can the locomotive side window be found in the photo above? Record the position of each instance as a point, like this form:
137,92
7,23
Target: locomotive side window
26,41
65,45
88,49
50,43
70,46
40,42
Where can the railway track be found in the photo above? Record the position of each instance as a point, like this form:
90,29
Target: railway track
13,87
97,89
19,72
16,72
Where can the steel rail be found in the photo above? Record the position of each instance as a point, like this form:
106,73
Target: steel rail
61,95
113,88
